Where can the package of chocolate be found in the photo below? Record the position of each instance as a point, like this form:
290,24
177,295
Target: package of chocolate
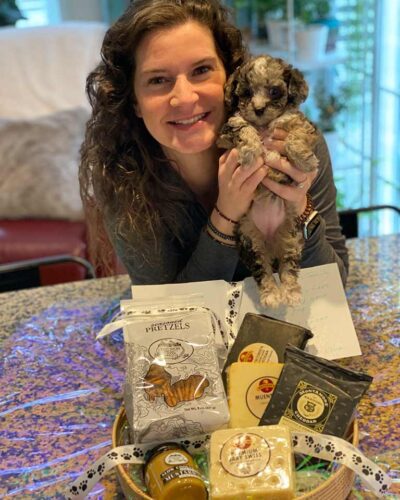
262,339
313,394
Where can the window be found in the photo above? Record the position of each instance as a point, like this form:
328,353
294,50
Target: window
368,172
38,12
385,174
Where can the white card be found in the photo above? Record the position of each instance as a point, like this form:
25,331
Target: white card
323,310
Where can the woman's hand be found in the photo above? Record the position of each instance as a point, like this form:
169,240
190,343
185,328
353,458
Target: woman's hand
237,185
297,192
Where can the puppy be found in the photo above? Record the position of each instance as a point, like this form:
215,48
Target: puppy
262,94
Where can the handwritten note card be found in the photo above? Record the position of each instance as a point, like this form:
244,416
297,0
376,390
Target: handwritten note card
323,310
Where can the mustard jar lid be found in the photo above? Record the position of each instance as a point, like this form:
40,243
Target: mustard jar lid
150,454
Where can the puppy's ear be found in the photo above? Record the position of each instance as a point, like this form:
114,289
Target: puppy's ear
297,86
231,97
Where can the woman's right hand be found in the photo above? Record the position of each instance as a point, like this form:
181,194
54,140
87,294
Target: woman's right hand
237,184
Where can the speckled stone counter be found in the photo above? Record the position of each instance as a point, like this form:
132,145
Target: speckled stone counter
60,389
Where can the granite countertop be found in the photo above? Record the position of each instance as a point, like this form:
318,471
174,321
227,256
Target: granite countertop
61,389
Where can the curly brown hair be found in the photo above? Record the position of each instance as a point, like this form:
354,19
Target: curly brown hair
123,175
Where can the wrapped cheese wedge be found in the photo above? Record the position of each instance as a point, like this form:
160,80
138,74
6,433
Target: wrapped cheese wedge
253,463
250,387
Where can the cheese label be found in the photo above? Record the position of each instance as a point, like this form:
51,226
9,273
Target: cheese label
250,388
258,353
245,454
258,395
309,407
251,463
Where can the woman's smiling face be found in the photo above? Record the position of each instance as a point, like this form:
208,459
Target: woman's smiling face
179,88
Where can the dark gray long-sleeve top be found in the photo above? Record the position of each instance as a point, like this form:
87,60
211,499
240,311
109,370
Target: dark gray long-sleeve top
202,258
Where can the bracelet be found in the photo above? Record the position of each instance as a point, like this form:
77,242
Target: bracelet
226,237
220,242
300,219
224,216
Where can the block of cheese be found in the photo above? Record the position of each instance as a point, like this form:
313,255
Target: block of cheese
250,387
252,464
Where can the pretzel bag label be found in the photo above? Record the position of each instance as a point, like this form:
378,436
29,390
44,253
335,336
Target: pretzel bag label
173,382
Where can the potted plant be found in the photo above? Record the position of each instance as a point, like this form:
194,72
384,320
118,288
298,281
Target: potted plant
258,13
316,13
311,36
308,11
9,13
277,23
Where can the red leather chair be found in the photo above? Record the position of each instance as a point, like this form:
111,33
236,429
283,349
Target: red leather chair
22,240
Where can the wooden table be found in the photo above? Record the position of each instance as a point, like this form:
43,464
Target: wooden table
60,389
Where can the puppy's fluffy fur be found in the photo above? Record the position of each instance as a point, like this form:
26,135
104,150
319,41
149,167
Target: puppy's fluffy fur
263,94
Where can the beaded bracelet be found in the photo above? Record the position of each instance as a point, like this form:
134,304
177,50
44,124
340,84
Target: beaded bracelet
223,236
224,216
300,219
219,241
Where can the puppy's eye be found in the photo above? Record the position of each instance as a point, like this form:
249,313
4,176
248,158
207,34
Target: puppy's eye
275,92
246,92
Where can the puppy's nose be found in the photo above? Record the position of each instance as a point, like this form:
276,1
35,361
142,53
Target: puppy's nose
259,111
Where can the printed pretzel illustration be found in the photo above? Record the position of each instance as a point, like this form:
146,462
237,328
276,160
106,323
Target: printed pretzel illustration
159,381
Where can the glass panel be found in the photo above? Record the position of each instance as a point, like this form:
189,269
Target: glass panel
348,183
388,156
35,11
389,76
378,223
367,116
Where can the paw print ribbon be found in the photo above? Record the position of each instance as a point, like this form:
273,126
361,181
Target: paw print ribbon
338,450
128,454
81,487
317,445
232,311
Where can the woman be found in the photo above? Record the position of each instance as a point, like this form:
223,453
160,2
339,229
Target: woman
151,175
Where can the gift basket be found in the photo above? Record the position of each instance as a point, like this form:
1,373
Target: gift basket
336,487
214,410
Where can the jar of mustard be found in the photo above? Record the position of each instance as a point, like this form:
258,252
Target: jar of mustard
171,474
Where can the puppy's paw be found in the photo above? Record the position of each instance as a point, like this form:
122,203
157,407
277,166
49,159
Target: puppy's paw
291,295
247,156
270,298
271,155
313,163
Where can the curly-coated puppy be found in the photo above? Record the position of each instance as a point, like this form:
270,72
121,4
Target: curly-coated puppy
263,94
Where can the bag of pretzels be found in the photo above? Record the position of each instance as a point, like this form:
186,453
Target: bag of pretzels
173,385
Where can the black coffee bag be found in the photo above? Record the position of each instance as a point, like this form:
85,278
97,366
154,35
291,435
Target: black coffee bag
313,394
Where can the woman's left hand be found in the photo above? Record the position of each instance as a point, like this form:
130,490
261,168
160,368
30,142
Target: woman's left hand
295,193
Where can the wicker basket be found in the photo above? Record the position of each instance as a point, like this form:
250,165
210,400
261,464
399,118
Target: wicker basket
337,487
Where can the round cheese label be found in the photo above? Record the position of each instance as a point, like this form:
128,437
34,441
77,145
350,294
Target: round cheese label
259,393
258,353
245,454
